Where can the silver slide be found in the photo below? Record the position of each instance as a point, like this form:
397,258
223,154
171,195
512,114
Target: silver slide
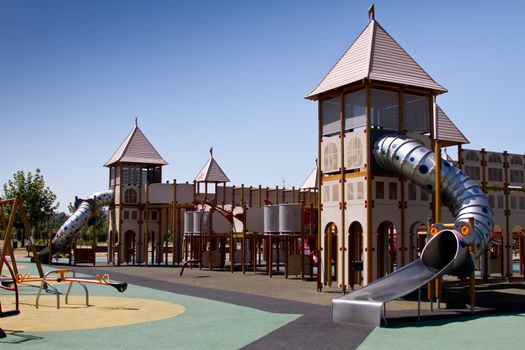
84,212
446,252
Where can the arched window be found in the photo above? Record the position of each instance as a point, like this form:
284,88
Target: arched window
495,173
355,153
494,158
471,155
330,157
130,196
516,160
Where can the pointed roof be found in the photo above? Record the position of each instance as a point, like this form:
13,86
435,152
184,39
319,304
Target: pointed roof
310,182
447,131
377,56
211,172
136,149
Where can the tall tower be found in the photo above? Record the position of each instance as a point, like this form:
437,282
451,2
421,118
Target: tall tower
375,88
133,165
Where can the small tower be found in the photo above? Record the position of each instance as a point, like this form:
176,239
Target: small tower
211,172
373,89
134,164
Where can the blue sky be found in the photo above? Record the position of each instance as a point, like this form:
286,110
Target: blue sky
228,74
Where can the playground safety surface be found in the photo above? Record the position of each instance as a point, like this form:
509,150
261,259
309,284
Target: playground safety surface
229,311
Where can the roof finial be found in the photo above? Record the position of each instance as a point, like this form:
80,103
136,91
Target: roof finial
371,14
211,152
136,121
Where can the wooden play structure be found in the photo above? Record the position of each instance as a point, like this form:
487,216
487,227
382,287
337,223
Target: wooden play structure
17,206
12,288
149,220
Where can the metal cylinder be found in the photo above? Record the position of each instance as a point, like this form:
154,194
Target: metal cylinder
289,218
463,196
201,222
271,219
188,222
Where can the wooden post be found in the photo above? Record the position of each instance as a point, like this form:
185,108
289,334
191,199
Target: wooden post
302,239
342,202
402,183
508,233
8,248
243,239
120,246
94,246
369,240
166,239
484,189
460,157
319,185
146,227
174,226
472,277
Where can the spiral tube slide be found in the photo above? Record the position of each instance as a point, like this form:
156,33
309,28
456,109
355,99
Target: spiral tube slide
84,212
446,252
463,196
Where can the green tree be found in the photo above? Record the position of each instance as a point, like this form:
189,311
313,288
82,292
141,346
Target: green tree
39,201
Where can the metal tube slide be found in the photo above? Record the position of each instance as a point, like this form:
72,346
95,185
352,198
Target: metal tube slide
446,252
463,196
84,212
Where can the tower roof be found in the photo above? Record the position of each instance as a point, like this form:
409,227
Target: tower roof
136,149
211,172
310,182
375,55
447,131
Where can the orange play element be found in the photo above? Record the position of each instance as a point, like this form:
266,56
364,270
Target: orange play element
465,230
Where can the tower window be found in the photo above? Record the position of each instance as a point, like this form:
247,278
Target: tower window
350,191
416,109
331,110
360,190
472,156
355,153
380,190
392,190
330,157
130,196
412,192
516,160
384,111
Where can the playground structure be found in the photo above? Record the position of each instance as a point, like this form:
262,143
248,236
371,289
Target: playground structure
373,222
205,223
368,215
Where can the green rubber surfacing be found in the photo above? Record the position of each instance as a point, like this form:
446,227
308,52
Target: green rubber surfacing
483,332
206,324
